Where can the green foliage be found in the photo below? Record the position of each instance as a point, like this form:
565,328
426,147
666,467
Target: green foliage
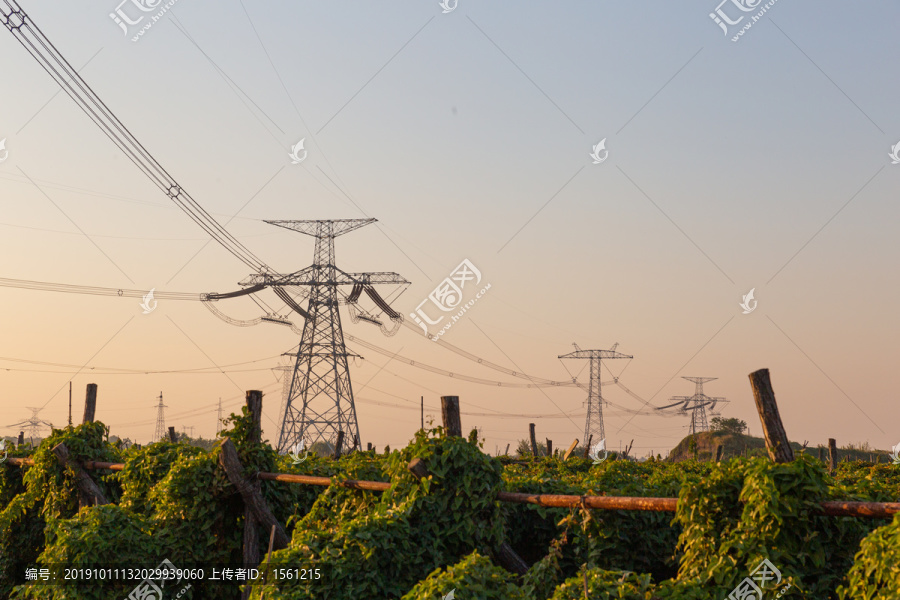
744,512
609,539
733,425
473,577
876,573
47,491
381,547
422,538
605,585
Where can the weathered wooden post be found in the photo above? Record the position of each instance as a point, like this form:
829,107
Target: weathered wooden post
250,542
250,493
549,446
173,437
832,455
570,450
253,399
21,438
90,403
587,447
720,449
506,453
368,446
777,442
338,444
89,493
450,415
534,448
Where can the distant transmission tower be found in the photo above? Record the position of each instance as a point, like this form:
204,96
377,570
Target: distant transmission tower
696,404
160,432
593,424
33,424
320,397
219,424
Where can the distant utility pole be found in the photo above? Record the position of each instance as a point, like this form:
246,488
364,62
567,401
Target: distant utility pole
70,404
422,400
185,427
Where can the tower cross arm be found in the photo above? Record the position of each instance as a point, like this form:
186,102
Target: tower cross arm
374,278
595,354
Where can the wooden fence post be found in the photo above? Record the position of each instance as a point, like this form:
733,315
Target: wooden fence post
587,447
89,493
534,448
250,543
173,437
832,455
338,444
450,415
368,446
253,400
90,403
777,442
549,446
570,450
249,490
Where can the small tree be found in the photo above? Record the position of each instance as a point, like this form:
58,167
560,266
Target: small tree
736,426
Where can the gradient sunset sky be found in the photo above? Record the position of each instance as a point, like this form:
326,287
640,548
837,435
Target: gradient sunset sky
762,163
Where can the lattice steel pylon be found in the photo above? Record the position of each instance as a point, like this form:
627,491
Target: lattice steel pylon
593,424
160,432
219,421
696,404
319,401
33,424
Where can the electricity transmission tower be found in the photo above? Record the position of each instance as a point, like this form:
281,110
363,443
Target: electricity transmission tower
593,424
33,424
320,396
160,432
696,404
219,418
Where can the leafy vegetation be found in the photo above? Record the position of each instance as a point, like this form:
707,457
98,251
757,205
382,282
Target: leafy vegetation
422,538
